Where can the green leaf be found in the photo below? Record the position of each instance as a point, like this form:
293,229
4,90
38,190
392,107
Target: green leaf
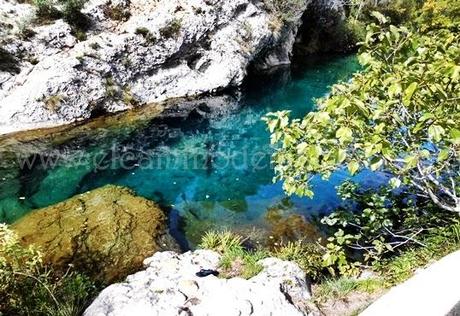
411,161
379,16
443,155
409,92
341,156
394,90
376,163
365,59
435,132
344,134
353,167
455,136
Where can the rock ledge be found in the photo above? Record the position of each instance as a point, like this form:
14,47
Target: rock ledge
169,286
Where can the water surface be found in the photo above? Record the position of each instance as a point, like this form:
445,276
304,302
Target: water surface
210,169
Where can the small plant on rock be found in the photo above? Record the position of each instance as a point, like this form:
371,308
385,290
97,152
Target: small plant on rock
171,30
145,33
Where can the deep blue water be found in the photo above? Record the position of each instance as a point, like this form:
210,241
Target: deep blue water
209,170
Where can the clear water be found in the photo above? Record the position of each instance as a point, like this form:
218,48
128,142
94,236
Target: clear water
208,172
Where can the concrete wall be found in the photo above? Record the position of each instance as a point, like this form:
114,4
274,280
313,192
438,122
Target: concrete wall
431,292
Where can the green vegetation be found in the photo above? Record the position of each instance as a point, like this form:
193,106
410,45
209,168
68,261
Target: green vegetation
116,12
282,12
307,255
439,243
69,10
239,259
145,33
171,30
360,14
340,288
236,260
28,287
399,116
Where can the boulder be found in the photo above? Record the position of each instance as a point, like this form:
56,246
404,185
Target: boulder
169,286
107,232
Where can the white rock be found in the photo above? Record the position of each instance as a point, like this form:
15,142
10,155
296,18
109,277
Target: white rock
169,286
215,43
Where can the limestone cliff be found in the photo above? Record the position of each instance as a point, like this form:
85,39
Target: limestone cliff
135,53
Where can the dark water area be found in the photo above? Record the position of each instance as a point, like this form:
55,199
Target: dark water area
209,169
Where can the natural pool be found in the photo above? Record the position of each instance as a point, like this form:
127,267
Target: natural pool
209,170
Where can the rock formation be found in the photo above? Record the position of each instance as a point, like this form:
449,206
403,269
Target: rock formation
135,53
169,286
107,232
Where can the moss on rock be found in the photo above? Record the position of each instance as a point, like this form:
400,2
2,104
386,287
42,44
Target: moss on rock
106,232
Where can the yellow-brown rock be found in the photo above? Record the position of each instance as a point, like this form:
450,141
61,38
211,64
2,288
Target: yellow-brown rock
107,232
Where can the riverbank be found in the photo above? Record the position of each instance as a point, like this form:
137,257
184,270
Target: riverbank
286,280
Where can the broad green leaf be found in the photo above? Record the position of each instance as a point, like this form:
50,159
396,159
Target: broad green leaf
411,161
455,136
443,155
379,16
435,132
353,167
365,59
409,92
376,163
344,134
341,156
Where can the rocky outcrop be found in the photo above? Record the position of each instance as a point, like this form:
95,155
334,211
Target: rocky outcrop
135,53
169,286
107,232
166,49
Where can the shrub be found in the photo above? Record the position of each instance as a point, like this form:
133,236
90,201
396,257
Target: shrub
400,115
28,287
145,33
46,11
171,30
283,10
308,256
70,10
116,12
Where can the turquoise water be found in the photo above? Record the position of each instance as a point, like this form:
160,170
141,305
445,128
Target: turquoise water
208,170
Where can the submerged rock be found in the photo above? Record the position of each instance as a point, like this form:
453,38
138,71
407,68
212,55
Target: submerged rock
136,53
107,232
169,286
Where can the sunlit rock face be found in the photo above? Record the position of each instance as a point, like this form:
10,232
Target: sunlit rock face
177,48
107,232
169,286
135,53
